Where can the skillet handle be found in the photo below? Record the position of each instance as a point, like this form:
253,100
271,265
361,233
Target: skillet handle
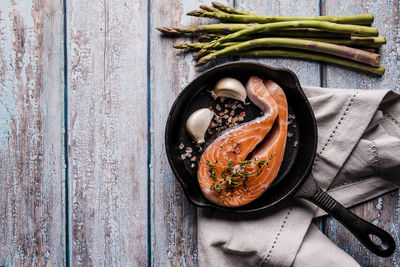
384,246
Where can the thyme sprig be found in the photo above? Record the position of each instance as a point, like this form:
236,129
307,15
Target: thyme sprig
235,176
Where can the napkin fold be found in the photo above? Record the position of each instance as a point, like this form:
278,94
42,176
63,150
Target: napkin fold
358,158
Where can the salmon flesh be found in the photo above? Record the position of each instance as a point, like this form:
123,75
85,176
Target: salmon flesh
227,175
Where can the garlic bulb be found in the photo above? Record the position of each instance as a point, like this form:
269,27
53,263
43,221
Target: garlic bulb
231,88
198,122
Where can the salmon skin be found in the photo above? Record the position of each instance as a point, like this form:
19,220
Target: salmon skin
227,177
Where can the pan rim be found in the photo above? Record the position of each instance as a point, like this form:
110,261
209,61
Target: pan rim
242,209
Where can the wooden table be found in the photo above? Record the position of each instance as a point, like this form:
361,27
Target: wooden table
85,89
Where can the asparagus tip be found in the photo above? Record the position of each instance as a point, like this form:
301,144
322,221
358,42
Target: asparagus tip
168,30
206,8
202,61
216,4
179,46
195,13
199,64
198,55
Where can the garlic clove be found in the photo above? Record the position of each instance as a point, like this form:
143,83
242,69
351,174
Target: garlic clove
198,122
231,88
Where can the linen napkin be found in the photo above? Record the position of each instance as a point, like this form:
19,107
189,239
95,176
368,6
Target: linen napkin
358,158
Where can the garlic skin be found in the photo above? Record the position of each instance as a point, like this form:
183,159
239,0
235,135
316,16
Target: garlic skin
197,124
230,88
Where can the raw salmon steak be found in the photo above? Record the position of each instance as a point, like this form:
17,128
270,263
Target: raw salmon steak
227,175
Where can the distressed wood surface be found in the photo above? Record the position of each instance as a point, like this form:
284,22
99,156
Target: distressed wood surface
32,222
122,78
107,129
383,211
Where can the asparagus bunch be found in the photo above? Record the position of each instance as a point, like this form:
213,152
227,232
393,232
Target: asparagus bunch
342,40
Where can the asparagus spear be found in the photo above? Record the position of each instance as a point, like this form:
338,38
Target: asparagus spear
337,50
373,42
328,26
206,37
209,8
232,10
362,19
229,28
221,27
228,9
312,56
196,46
303,33
306,32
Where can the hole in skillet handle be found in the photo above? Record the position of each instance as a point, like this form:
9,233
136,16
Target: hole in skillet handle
377,240
293,170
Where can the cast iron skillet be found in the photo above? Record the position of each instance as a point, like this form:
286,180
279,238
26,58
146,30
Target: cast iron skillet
293,180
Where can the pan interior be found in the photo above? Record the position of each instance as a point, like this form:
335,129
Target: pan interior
196,95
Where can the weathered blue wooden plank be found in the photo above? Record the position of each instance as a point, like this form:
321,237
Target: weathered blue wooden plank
31,134
383,211
107,126
173,218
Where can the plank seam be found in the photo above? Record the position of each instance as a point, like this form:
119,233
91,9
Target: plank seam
322,83
322,65
149,144
66,135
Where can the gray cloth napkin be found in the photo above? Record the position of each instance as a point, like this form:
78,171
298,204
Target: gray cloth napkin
358,158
